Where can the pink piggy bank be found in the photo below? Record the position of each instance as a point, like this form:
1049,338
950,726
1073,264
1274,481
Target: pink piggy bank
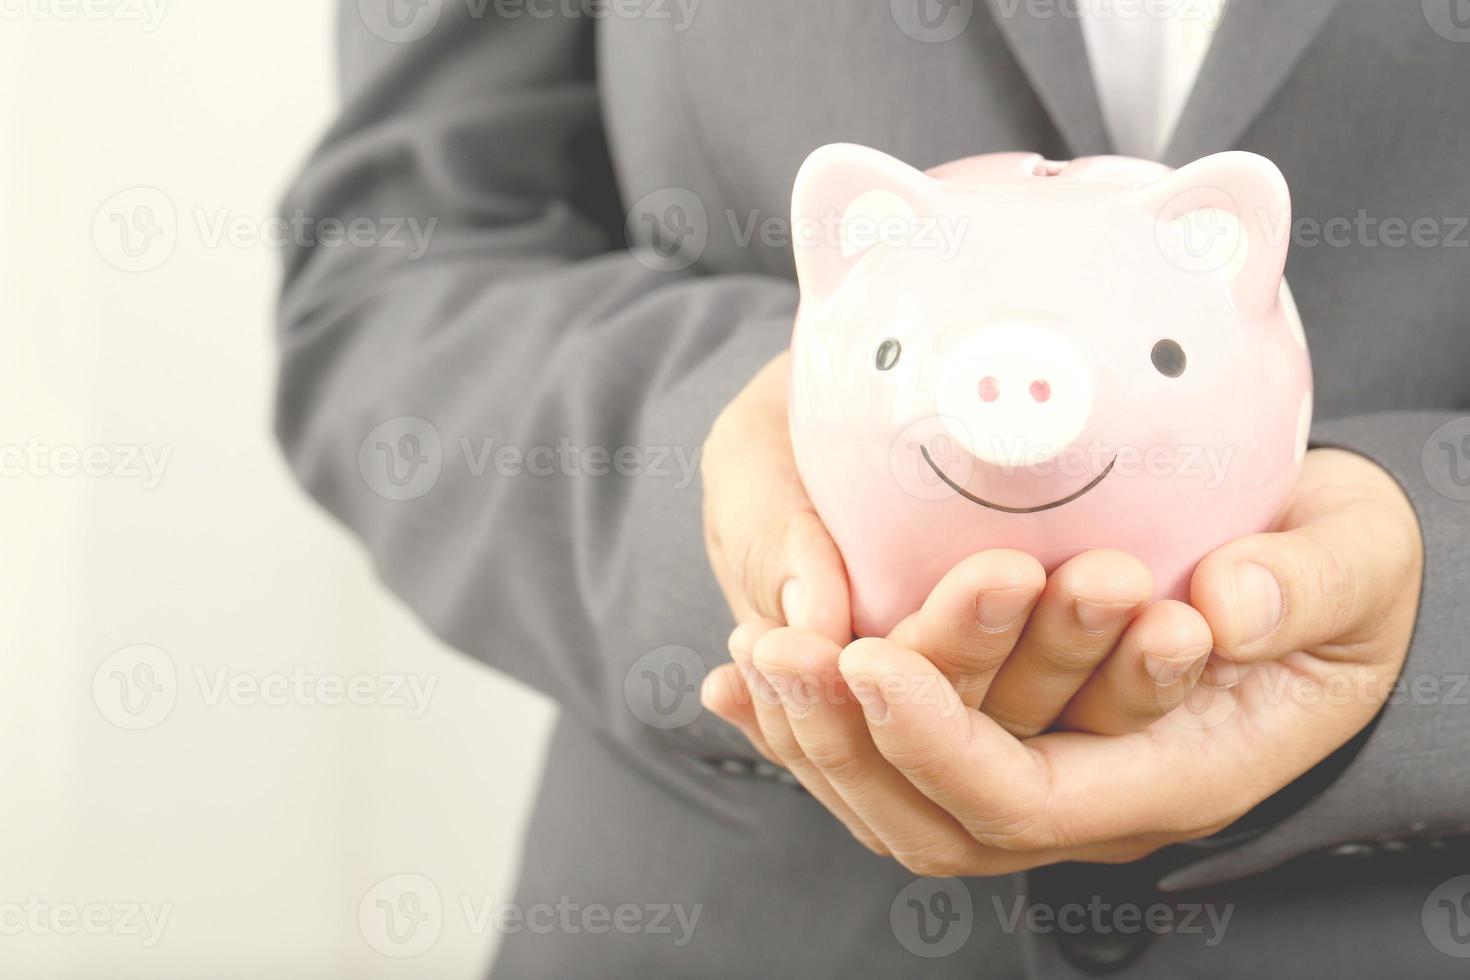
1008,352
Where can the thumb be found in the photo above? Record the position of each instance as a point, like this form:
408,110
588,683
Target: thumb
1268,595
791,572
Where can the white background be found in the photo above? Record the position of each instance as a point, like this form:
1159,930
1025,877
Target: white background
259,828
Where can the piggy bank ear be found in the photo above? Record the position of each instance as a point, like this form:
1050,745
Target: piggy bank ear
1230,215
847,200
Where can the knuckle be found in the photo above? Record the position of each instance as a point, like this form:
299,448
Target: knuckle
1130,853
832,755
1130,713
938,772
1016,837
1059,660
774,651
932,858
1205,819
970,666
753,553
872,843
783,742
1012,718
1334,586
839,764
1024,828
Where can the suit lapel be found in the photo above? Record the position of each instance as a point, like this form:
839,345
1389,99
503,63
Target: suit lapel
1053,55
1257,45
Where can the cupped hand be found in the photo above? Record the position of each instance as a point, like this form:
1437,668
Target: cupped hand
771,554
1021,646
1312,621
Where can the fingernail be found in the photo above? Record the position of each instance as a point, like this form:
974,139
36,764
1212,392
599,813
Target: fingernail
793,601
1100,617
795,692
997,610
759,686
1222,674
870,697
1257,601
742,639
1167,671
707,690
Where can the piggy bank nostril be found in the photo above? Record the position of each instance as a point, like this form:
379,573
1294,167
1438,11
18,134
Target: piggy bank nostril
989,389
1041,391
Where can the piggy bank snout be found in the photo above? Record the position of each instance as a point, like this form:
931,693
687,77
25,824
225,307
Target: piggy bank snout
1015,395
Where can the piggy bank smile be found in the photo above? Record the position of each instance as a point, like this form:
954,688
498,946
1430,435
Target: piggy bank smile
992,505
1053,378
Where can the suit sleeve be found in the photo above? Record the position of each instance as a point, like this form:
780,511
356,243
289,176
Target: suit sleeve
1402,781
496,395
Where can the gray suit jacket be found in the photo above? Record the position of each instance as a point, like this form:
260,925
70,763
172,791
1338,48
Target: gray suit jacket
543,138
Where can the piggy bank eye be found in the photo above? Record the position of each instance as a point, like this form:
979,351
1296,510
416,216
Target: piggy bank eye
1169,358
888,353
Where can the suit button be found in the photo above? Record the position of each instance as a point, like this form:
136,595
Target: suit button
1084,900
1098,955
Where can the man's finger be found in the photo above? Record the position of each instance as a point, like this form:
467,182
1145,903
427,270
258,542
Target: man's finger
725,694
1271,594
828,724
1087,604
973,619
1056,797
1325,580
771,713
771,553
1149,674
959,758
